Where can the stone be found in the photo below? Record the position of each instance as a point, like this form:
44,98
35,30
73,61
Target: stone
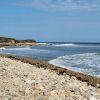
75,97
22,81
38,87
17,81
30,82
92,98
98,85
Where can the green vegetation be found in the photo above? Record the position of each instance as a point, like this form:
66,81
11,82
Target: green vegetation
11,40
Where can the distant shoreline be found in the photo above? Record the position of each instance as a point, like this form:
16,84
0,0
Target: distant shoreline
43,43
4,41
18,44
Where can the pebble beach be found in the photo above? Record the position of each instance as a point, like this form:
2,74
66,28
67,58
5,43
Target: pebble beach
23,81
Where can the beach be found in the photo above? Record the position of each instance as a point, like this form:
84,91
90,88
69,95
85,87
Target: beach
49,49
22,80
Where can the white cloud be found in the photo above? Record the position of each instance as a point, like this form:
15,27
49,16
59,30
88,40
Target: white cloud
63,4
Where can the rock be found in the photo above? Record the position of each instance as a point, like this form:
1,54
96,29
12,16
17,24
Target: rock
80,98
27,91
92,98
52,88
98,85
17,81
22,81
67,93
30,82
53,98
38,87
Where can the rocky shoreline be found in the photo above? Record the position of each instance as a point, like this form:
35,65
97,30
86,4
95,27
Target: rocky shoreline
22,78
4,41
94,81
18,44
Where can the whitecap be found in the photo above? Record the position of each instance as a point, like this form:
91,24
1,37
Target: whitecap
88,63
2,48
20,48
62,45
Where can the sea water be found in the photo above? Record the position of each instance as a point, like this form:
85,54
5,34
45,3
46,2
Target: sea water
80,57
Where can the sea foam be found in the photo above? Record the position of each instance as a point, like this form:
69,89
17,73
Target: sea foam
2,48
88,63
62,45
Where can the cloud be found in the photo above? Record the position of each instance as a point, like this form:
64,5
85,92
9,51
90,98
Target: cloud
63,5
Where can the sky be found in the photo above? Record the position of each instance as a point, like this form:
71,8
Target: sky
51,20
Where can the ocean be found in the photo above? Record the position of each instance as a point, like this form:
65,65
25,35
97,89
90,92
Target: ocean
79,57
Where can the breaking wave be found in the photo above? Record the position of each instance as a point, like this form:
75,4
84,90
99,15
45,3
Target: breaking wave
20,48
2,48
62,45
88,63
43,43
26,49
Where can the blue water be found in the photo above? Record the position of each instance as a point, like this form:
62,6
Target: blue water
79,57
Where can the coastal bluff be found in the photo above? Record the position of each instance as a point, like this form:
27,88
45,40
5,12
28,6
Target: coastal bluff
4,41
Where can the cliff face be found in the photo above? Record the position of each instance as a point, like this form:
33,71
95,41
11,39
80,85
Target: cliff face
14,41
7,40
